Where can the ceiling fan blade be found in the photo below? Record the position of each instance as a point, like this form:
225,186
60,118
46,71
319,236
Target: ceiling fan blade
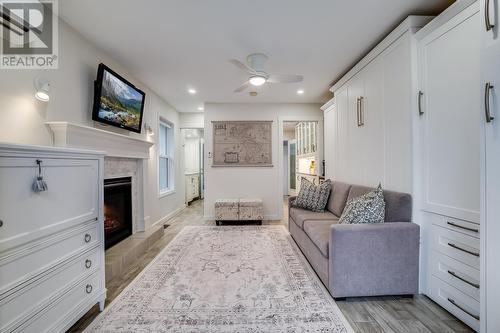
242,87
241,65
284,78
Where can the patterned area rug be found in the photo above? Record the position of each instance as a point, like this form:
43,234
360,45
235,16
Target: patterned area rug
225,279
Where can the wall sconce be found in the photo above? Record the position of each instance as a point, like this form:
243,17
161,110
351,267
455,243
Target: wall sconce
149,130
42,89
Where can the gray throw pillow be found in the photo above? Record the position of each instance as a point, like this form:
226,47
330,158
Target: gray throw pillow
313,197
368,208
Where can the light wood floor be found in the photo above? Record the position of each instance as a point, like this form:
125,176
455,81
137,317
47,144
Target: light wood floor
373,314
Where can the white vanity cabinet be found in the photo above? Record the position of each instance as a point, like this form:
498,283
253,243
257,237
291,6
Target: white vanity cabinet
51,242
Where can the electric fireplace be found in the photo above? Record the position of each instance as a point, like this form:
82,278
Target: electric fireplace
117,210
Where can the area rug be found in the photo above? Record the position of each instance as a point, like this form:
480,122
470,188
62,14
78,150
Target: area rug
225,279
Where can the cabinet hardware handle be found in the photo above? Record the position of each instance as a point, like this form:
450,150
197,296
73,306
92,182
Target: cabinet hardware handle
357,111
463,250
88,263
487,21
487,90
419,99
1,223
462,227
87,238
362,110
452,301
88,289
452,273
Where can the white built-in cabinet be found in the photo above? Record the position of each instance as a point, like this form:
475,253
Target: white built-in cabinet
192,186
489,86
51,242
448,160
370,117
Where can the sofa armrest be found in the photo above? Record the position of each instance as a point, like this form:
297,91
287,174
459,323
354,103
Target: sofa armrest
374,259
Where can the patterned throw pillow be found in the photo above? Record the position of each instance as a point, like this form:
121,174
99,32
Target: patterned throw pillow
368,208
313,197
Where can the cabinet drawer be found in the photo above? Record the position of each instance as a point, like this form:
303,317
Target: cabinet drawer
461,247
459,304
71,198
455,273
25,264
31,297
462,226
51,317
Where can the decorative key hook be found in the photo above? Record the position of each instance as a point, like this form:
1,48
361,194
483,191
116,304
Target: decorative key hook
39,185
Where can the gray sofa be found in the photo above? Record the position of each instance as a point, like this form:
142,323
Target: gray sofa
360,259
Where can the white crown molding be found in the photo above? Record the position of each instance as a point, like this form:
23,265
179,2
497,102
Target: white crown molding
113,144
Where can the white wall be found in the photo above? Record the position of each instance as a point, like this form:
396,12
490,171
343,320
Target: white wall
22,116
241,182
192,120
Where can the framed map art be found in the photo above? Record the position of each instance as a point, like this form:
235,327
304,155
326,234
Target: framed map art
242,143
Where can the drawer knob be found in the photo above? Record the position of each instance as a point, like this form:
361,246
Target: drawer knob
88,289
88,263
88,238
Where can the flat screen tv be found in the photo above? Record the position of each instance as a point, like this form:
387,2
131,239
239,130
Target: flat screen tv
117,102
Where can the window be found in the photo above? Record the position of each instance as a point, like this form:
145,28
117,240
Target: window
166,158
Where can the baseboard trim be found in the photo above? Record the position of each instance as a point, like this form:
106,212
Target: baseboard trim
169,216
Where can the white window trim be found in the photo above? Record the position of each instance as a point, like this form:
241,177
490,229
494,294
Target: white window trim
171,160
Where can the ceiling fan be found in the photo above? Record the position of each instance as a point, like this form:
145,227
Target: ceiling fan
255,68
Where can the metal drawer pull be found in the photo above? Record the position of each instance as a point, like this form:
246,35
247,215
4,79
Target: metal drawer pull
87,238
362,110
358,112
487,21
452,301
463,250
1,223
462,227
88,263
487,89
88,289
420,94
452,273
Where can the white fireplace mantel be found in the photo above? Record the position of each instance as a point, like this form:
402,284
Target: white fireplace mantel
115,145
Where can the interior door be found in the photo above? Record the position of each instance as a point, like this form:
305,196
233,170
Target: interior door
449,62
490,179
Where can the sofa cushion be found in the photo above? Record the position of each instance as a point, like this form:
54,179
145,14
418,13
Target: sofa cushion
299,216
368,208
319,233
398,206
338,197
313,197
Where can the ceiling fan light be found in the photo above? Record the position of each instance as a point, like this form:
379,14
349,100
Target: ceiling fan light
257,80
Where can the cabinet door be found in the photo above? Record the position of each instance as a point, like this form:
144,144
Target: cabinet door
490,180
355,173
330,143
398,116
449,62
343,148
371,151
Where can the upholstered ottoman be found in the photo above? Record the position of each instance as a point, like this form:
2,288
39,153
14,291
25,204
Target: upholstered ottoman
251,210
226,210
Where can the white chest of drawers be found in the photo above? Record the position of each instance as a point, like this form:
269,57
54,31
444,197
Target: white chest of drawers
51,242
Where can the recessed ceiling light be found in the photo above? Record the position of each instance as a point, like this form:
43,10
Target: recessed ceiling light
192,91
300,91
201,108
257,80
253,93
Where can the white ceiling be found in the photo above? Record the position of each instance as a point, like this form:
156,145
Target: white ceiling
173,45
